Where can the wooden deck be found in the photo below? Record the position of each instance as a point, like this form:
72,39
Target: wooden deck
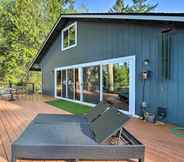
161,145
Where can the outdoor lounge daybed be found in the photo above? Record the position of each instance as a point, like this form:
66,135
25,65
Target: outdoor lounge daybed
75,140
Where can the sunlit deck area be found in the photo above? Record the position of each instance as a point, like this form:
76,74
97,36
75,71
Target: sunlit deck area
161,144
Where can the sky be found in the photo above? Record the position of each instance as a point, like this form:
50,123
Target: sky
104,5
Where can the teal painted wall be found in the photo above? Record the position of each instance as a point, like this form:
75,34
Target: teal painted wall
105,40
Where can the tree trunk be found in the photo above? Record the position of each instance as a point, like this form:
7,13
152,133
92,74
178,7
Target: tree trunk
111,77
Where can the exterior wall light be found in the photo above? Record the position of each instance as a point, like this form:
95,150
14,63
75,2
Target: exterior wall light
146,62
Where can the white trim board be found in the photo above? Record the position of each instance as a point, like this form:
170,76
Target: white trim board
103,62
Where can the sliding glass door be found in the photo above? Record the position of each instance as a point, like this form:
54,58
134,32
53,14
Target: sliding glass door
68,84
77,84
91,84
63,83
116,85
58,84
110,81
73,85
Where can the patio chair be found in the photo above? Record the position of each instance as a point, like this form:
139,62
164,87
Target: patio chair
75,140
4,93
96,112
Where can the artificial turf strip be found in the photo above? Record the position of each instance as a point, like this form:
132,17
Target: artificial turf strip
74,108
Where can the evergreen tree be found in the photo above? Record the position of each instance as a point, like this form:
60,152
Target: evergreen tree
7,59
138,6
142,6
24,24
83,9
119,7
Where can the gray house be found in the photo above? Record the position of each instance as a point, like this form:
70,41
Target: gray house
133,61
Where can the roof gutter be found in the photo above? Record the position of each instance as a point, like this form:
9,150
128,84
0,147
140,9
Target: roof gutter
129,17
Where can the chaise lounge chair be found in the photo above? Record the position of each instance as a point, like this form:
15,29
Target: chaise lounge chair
4,93
76,140
7,94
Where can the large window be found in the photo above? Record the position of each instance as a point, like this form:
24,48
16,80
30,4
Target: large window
69,36
166,54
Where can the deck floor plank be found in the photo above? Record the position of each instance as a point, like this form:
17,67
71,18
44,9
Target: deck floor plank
5,136
161,145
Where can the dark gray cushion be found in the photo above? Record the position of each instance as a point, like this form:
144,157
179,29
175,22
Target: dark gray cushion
97,111
69,133
108,124
59,118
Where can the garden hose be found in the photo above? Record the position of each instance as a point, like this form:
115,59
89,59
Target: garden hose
177,133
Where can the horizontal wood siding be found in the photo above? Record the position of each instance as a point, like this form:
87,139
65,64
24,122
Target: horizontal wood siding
100,40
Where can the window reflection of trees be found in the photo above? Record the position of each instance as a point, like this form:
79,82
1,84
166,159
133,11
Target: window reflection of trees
116,84
91,84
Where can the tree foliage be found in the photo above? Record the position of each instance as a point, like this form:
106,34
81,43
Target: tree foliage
119,6
24,25
142,6
138,6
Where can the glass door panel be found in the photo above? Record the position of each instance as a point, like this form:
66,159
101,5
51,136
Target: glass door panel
91,84
77,85
63,73
116,85
71,83
58,82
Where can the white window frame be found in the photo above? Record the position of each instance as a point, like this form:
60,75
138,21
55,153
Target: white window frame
62,36
129,59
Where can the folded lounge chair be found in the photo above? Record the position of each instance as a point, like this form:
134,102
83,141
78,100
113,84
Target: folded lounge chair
78,141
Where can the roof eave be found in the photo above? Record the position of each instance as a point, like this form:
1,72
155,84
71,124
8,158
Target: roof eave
128,17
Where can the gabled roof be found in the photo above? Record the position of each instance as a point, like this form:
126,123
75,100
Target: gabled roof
164,17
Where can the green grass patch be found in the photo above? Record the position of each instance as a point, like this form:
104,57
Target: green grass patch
74,108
